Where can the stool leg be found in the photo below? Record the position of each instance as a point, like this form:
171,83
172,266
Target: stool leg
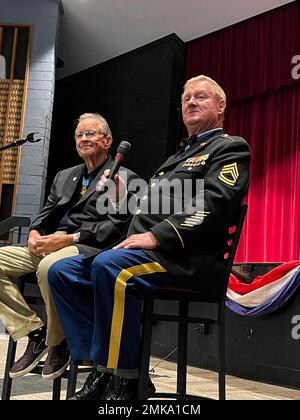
56,389
72,379
182,348
222,355
145,347
10,358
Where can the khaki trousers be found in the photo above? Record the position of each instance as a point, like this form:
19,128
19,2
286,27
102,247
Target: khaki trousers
16,315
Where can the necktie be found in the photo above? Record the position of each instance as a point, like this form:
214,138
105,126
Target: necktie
187,143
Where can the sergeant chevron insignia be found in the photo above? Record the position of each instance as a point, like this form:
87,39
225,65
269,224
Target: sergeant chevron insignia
229,174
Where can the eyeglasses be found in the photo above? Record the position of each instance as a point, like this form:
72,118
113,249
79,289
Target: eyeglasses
89,134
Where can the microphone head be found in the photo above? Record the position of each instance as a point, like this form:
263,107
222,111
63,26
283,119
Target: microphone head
30,138
123,148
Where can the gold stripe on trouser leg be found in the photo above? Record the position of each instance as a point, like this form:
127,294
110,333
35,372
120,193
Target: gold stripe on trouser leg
119,306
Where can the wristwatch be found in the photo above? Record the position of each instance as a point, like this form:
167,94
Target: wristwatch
75,237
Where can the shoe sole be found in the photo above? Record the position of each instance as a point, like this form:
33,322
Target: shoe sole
29,368
58,373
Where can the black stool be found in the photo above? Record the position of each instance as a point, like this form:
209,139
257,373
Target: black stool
211,312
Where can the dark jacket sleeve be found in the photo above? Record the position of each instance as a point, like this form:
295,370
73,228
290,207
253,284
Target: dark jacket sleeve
225,184
48,208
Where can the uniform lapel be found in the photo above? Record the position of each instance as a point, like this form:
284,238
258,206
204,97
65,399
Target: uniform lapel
71,184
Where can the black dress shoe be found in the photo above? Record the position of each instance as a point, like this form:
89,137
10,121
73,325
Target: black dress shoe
125,389
93,387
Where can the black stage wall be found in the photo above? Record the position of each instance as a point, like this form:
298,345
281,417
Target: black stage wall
137,92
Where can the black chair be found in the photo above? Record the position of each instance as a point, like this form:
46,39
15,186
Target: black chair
12,223
210,313
29,288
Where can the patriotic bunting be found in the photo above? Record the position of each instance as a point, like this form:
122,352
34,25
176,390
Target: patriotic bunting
266,293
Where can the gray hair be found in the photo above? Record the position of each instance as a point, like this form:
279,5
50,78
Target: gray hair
104,124
217,90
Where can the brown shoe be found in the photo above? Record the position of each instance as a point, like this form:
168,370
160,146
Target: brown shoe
35,350
57,361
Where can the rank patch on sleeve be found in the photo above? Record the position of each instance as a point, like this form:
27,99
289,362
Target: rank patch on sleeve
229,174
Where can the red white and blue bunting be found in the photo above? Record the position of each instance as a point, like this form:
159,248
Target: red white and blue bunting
266,293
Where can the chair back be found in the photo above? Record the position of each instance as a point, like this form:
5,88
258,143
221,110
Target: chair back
234,234
12,222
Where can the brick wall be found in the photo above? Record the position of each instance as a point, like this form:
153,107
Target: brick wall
44,16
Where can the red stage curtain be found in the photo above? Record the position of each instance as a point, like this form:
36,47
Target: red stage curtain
252,61
251,57
271,124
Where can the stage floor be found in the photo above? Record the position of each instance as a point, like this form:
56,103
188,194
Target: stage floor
33,387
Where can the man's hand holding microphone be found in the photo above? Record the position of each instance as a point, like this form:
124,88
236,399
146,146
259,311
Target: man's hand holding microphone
117,190
117,194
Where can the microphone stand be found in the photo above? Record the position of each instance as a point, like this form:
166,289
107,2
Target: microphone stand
19,142
13,144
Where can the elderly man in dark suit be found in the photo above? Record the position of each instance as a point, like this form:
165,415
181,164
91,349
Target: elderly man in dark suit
177,236
68,225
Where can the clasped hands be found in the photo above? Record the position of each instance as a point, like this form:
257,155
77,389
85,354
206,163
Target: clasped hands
43,245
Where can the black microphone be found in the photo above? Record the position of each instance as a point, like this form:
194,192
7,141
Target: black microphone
30,138
122,150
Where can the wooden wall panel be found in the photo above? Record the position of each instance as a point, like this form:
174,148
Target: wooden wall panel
12,109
